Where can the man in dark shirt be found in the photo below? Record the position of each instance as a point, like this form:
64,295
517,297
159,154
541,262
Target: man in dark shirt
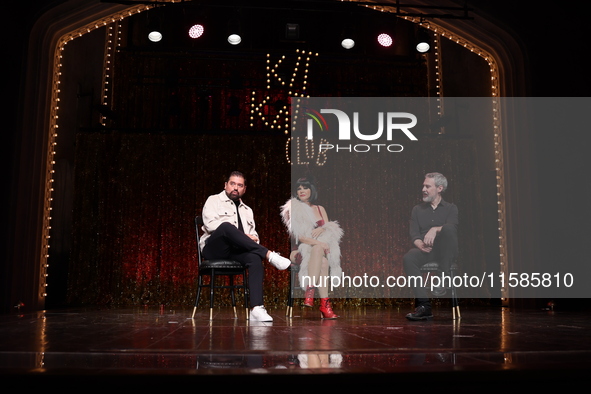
434,234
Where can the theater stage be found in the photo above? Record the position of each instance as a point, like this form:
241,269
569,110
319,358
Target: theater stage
488,348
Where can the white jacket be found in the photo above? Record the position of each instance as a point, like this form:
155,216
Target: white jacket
300,221
218,209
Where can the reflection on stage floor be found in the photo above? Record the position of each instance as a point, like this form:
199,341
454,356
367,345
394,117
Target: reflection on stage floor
364,340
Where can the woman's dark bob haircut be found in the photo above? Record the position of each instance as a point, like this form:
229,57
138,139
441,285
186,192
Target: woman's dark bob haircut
308,184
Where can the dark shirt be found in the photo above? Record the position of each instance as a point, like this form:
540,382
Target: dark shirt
423,217
238,202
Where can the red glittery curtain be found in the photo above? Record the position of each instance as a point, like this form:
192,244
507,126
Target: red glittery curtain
138,188
137,196
135,202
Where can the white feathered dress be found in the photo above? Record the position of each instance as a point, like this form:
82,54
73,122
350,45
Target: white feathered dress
300,220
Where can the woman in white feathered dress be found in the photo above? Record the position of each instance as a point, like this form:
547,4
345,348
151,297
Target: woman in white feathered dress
318,244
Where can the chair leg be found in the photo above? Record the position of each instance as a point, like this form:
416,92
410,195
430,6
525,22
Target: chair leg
456,307
232,295
289,311
211,294
199,285
246,295
455,303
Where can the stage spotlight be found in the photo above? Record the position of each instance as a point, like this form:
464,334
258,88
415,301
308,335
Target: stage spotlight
423,47
348,43
154,36
349,32
154,26
234,29
196,31
292,31
234,39
385,40
423,41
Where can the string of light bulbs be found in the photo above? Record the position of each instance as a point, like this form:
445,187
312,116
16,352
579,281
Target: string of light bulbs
109,22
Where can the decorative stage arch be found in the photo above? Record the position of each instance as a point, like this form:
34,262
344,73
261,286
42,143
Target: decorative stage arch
128,260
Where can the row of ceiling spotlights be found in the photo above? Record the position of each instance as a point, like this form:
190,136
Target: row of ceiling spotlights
383,39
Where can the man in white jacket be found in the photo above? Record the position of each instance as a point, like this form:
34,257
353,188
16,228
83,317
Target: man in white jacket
229,232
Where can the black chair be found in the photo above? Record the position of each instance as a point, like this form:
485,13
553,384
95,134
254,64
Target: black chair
433,266
215,268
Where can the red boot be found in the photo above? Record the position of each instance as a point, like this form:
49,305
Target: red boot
309,300
326,309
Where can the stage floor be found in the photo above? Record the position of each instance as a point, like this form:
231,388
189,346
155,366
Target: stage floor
488,344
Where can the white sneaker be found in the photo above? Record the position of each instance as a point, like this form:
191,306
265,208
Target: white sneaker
259,313
280,262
